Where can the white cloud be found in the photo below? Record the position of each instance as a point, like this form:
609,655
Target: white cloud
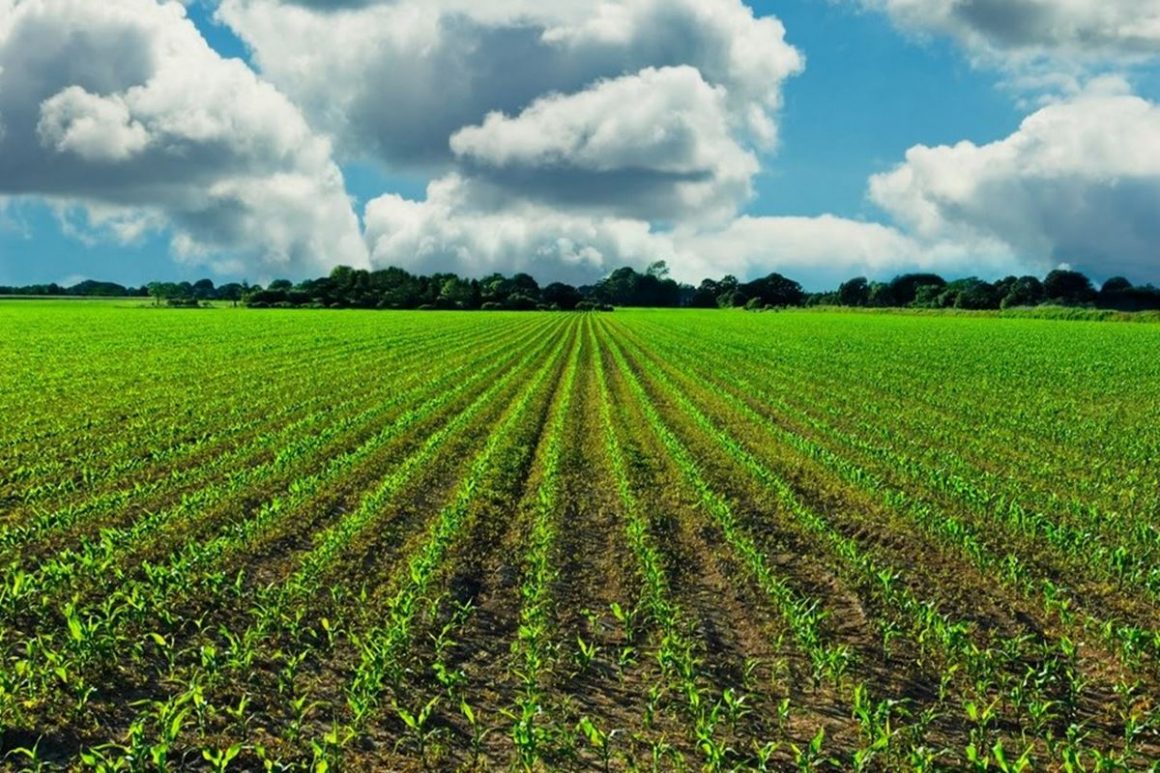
576,136
94,128
446,232
121,109
395,80
1078,182
565,139
1027,29
449,231
654,145
569,137
829,250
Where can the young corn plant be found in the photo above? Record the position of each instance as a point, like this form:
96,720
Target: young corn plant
219,759
599,740
479,732
421,731
810,757
875,723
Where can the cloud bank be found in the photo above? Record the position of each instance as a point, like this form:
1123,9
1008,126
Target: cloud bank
1079,182
655,145
122,111
395,80
567,139
563,139
1076,30
448,232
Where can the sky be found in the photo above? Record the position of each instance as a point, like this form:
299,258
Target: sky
823,139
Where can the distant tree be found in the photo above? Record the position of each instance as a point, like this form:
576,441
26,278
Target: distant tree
823,299
1116,284
163,291
230,292
658,269
1003,288
855,292
91,288
775,290
705,296
928,296
395,288
726,290
903,289
264,298
619,288
1070,288
526,284
203,289
734,299
494,288
1025,291
518,301
658,292
340,275
564,296
1146,298
1120,294
973,293
1116,293
880,295
456,293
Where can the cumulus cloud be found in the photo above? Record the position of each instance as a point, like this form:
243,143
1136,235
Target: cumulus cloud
832,249
121,109
395,80
572,136
449,231
1079,182
92,127
1028,29
565,139
654,145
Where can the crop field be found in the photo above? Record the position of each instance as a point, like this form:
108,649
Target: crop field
678,540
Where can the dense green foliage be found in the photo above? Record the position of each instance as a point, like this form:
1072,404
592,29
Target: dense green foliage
85,289
625,287
647,540
930,291
394,288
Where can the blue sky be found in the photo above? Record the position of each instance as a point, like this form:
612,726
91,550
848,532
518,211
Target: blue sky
875,84
868,93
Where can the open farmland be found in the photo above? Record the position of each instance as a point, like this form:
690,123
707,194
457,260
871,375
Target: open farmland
640,540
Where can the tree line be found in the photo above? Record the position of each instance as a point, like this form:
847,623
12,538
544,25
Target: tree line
930,291
171,293
395,288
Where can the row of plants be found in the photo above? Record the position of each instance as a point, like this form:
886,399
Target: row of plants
573,541
984,662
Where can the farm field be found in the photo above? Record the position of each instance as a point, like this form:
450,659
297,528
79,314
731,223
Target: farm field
645,540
